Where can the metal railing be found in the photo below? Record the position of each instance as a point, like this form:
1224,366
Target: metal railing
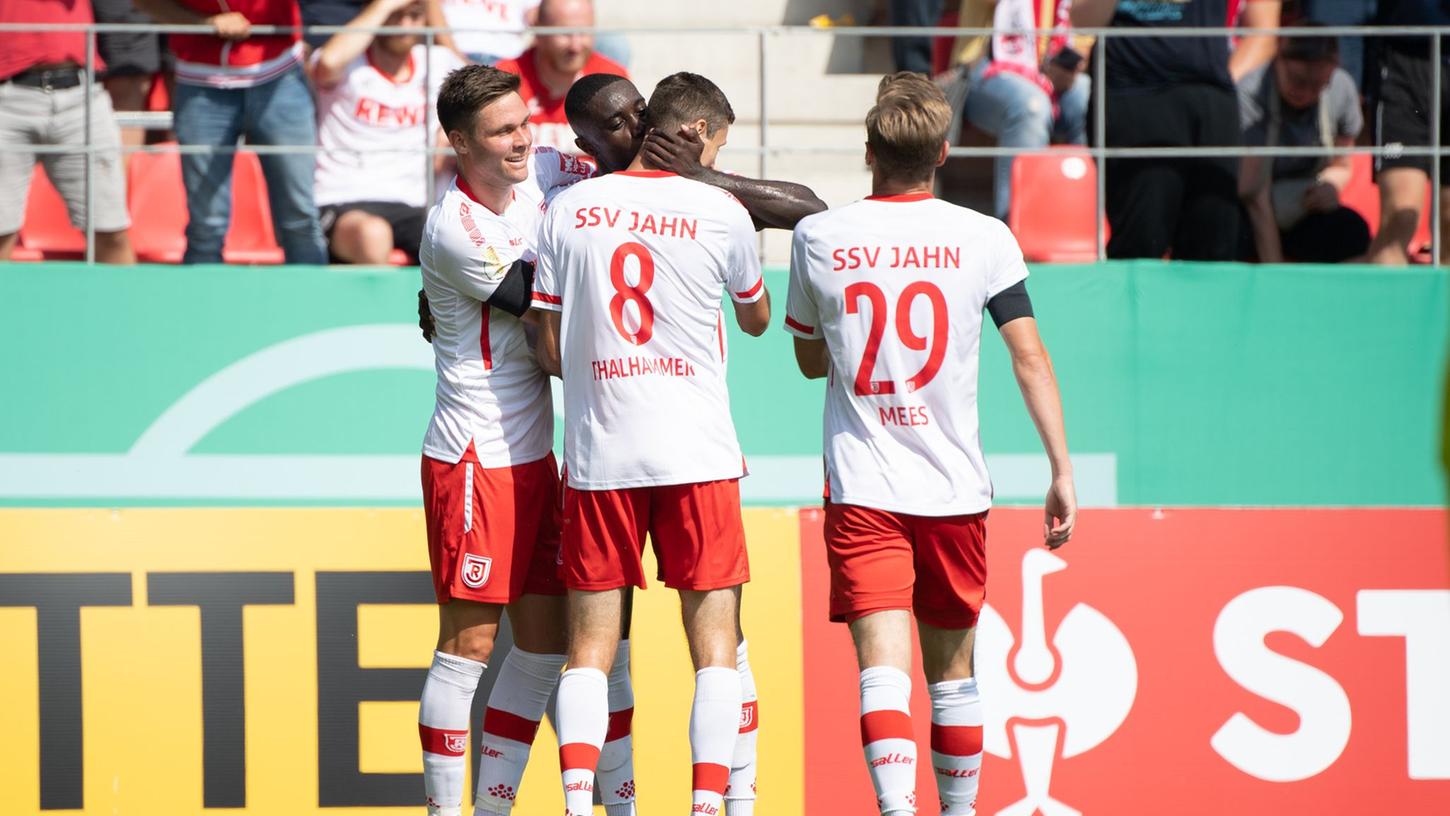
765,149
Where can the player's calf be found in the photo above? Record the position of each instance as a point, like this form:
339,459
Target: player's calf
583,708
515,706
709,618
443,729
615,775
740,793
956,744
883,649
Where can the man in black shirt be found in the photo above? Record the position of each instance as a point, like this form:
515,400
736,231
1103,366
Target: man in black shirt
1168,92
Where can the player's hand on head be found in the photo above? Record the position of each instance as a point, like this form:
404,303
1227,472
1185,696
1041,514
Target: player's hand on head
425,316
1060,512
678,153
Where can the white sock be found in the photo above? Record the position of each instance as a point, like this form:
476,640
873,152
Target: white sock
443,729
956,744
615,777
582,719
887,738
740,793
714,724
515,706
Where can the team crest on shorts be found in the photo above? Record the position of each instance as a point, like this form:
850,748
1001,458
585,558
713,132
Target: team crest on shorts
475,570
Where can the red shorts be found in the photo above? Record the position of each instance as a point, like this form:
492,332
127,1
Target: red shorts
493,533
696,531
934,566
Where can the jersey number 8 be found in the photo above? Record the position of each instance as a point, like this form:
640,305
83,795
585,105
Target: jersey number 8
865,386
624,293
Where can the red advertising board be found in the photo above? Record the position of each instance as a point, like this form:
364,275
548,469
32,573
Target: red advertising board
1185,662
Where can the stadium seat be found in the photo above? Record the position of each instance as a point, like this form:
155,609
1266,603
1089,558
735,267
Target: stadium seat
250,240
400,258
47,232
157,202
1054,206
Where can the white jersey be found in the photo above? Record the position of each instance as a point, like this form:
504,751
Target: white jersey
896,287
490,28
491,392
369,111
638,263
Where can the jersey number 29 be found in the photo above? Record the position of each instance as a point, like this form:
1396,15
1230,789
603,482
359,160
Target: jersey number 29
871,293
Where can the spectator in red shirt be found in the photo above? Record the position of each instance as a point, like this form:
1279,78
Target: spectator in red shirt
551,66
42,101
231,84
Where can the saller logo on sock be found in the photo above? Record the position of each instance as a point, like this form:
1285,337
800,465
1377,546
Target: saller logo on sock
475,570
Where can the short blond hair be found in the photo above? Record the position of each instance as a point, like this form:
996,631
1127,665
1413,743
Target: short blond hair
906,127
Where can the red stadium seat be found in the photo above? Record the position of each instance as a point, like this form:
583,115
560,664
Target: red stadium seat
400,258
157,201
47,232
1054,206
250,240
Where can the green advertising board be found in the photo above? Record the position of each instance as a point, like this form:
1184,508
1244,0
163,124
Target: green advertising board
1184,384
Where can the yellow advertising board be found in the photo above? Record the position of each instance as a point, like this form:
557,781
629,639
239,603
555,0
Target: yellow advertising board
177,661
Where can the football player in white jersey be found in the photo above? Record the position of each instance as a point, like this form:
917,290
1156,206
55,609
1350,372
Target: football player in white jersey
490,482
632,268
607,113
886,300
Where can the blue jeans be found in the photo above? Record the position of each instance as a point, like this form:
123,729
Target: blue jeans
1019,114
279,112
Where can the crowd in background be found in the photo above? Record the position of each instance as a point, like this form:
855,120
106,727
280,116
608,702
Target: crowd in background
365,99
1256,90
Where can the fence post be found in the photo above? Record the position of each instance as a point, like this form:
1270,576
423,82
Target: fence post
1100,128
429,182
762,67
90,149
1437,153
763,64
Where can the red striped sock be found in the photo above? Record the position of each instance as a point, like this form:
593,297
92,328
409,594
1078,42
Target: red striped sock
583,718
515,707
443,730
956,744
714,724
615,776
887,738
740,793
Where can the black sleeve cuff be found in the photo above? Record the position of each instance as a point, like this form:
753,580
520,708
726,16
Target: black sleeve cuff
1010,304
